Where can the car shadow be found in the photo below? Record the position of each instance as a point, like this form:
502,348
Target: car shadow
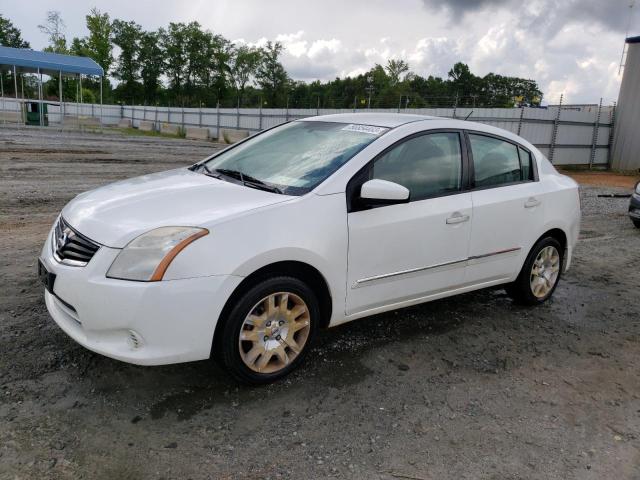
336,361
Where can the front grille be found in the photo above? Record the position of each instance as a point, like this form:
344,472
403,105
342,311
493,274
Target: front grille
71,247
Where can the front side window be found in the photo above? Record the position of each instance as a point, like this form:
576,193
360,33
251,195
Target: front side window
495,162
427,165
298,156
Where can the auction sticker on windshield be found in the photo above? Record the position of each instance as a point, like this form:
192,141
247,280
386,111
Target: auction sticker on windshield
354,127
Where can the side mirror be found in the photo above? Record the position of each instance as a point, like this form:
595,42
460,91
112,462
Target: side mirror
383,192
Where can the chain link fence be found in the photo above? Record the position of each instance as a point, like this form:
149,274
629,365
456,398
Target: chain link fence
566,134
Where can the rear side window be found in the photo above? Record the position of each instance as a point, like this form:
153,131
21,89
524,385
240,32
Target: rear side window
495,162
428,165
527,164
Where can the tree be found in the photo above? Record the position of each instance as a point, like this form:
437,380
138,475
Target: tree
151,58
271,75
465,85
10,36
54,27
243,66
395,68
173,43
126,35
98,43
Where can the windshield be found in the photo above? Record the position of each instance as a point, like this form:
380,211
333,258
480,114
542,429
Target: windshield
297,156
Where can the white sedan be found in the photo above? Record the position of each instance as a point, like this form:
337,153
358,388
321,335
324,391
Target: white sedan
313,223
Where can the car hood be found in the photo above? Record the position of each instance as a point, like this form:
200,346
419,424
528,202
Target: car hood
115,214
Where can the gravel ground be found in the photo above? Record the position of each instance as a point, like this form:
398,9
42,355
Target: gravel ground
468,387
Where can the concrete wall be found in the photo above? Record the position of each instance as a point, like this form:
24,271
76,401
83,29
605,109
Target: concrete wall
625,154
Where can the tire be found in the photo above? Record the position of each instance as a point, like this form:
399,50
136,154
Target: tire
280,336
636,222
545,281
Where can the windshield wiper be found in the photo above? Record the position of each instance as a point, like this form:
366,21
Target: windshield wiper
248,180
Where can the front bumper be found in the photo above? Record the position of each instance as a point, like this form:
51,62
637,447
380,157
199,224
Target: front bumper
145,323
634,207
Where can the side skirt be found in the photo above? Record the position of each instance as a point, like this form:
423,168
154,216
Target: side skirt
423,299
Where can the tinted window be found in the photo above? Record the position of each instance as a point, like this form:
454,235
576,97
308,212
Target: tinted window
495,162
527,164
427,165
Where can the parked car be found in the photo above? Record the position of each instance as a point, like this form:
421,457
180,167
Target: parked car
634,206
311,224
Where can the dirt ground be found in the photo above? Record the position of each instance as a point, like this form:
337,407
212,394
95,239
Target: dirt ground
472,387
604,178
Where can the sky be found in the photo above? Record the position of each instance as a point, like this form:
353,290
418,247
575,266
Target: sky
570,47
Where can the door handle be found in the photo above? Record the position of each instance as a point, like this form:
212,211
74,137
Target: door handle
457,217
532,202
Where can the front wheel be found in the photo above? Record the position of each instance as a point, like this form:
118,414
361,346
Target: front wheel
636,222
268,332
540,273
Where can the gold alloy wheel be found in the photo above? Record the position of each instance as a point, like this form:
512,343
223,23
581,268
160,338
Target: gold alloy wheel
274,333
545,270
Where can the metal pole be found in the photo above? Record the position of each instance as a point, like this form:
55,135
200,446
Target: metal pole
520,120
355,102
399,103
60,97
81,100
4,119
40,97
200,115
287,113
318,107
218,121
155,121
594,136
611,131
15,86
100,103
77,104
238,114
554,132
260,116
455,106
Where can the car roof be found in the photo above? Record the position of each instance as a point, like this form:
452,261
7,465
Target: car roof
378,119
393,120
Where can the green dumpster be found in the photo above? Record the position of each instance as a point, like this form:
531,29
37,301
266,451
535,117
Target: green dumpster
32,114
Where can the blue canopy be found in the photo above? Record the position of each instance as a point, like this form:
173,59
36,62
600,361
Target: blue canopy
27,60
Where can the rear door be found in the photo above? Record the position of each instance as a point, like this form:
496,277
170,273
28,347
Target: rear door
402,252
508,208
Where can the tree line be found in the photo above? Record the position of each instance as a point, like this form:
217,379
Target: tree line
187,65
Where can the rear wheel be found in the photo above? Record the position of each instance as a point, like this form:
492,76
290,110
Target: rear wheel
268,331
636,222
540,273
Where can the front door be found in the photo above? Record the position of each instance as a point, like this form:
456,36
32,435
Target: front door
404,252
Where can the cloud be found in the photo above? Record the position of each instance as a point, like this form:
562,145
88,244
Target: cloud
570,46
542,13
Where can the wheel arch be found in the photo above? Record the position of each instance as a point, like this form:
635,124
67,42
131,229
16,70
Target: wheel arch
301,270
556,233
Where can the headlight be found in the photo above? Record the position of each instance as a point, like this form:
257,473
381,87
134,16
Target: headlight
148,256
638,188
